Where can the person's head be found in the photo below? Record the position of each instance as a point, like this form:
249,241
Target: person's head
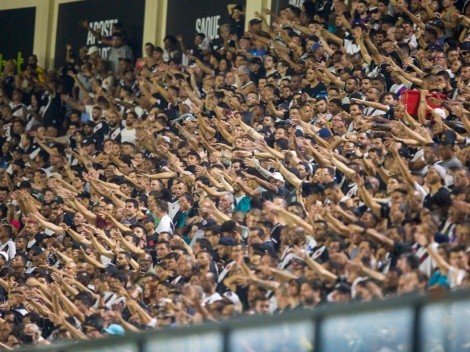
310,292
458,258
93,326
226,201
162,249
352,85
408,262
178,188
435,175
262,305
389,99
213,234
132,206
408,283
461,178
83,301
122,260
31,334
117,40
161,207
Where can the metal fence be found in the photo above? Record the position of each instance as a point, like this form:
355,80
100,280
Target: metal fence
414,323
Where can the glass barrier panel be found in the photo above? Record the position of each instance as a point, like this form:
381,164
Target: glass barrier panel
203,342
123,347
446,327
288,336
389,330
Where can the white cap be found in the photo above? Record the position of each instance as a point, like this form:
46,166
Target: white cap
440,170
166,139
440,112
278,176
92,49
4,255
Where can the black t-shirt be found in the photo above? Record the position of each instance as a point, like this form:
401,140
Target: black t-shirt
276,236
319,90
54,115
399,248
437,200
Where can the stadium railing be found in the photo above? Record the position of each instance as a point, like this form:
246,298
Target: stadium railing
437,322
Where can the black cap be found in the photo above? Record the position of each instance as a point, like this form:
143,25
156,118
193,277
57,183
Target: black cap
39,237
89,123
448,137
256,60
343,288
206,223
465,46
255,21
434,47
437,23
227,241
36,250
126,59
88,141
262,249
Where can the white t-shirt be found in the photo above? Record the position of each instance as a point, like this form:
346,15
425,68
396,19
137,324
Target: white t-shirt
128,135
165,225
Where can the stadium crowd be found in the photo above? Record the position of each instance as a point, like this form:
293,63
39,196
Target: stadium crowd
316,160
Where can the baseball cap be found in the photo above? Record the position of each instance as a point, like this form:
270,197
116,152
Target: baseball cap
440,170
343,288
465,46
232,297
227,241
89,123
39,237
36,250
316,46
256,60
92,49
324,133
448,138
434,47
4,255
255,21
166,139
278,176
88,141
115,329
437,23
206,223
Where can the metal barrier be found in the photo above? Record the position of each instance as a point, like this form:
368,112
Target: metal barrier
414,323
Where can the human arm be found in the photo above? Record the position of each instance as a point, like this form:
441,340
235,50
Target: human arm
378,237
315,266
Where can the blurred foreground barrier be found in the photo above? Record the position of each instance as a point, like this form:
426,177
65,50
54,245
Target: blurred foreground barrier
411,323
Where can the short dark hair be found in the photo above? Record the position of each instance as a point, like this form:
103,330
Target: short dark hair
162,204
85,298
134,202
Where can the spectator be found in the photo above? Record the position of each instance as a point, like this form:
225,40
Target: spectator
318,160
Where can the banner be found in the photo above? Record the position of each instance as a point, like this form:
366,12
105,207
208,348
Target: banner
188,17
17,34
101,15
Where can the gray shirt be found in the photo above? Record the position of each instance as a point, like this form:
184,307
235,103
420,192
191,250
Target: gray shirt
119,53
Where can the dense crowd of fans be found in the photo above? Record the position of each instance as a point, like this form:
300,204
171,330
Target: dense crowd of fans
319,159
